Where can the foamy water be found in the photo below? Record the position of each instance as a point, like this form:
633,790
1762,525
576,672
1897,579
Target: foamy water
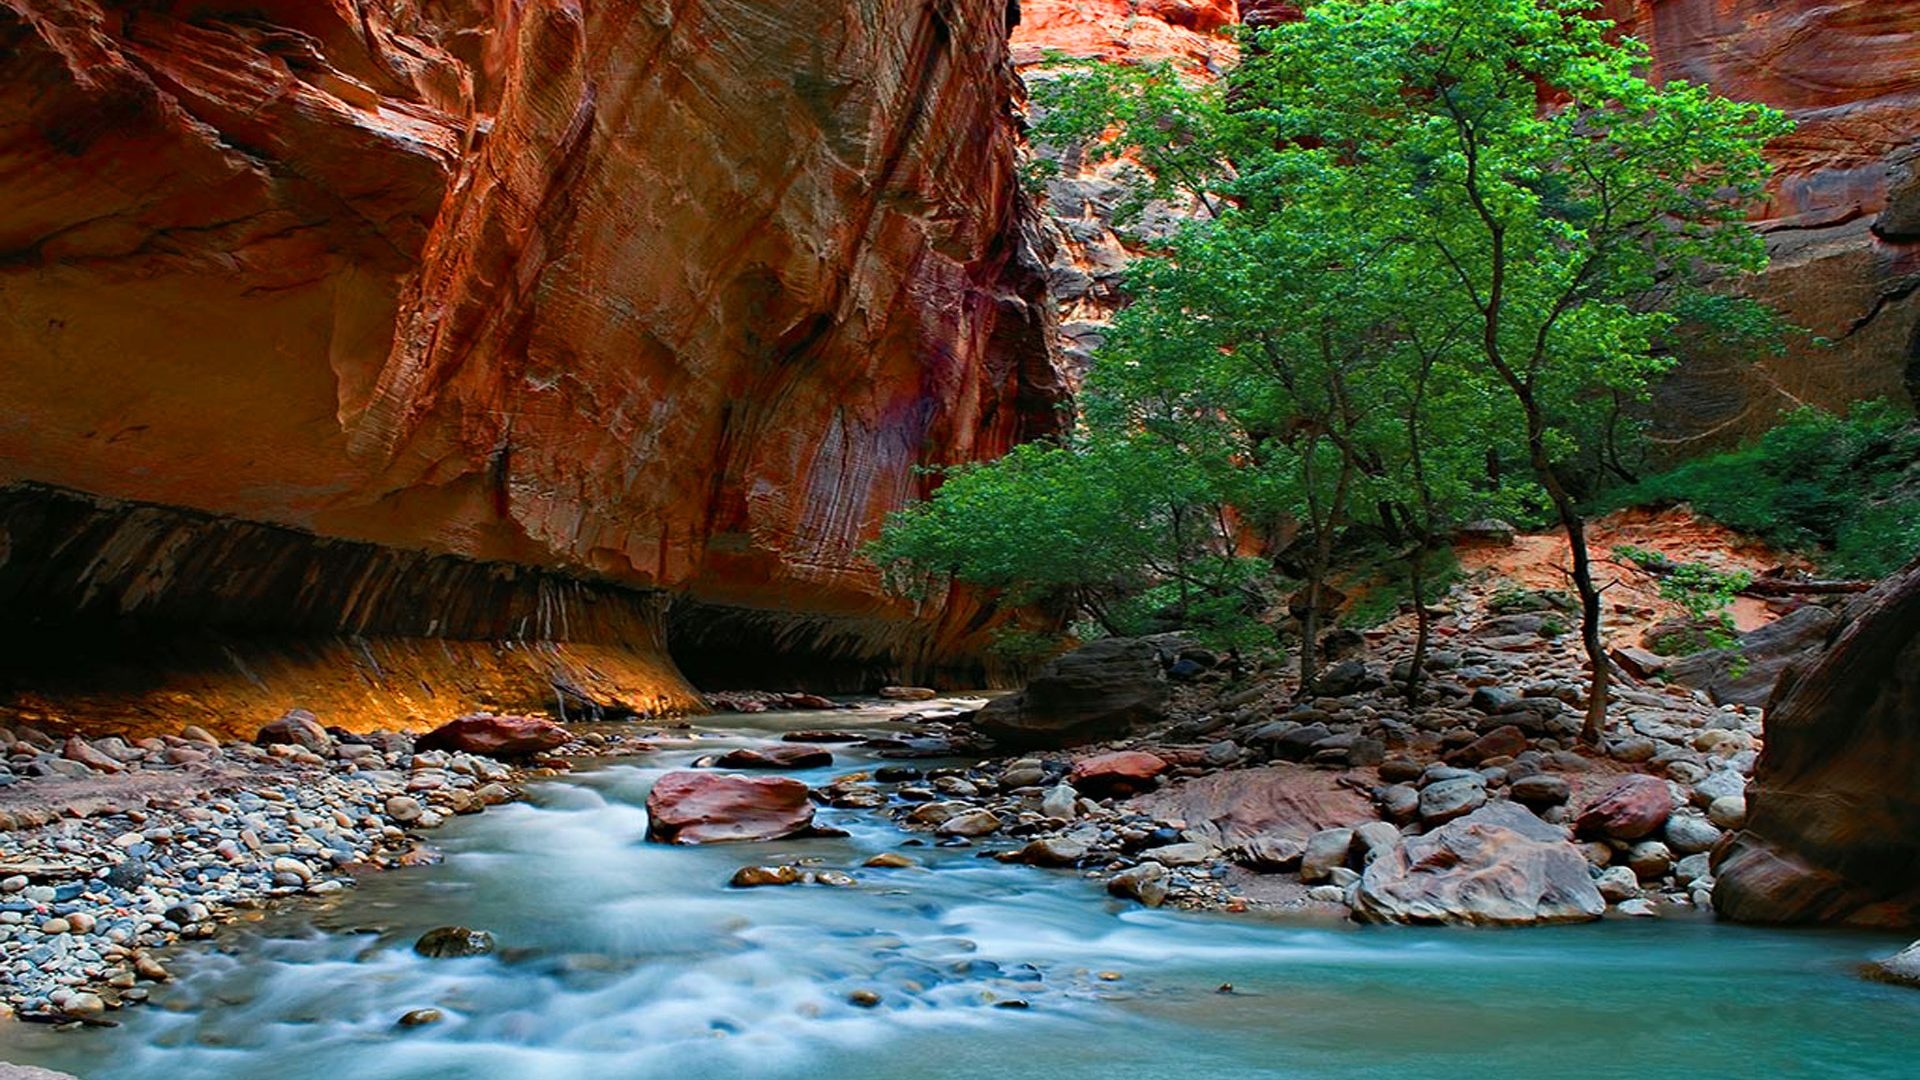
624,960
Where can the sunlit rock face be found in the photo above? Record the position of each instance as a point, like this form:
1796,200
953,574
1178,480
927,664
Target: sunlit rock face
1843,218
667,297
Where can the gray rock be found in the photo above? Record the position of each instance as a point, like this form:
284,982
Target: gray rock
1445,800
1617,883
1146,883
969,823
1498,866
1689,832
1695,867
1326,849
1728,811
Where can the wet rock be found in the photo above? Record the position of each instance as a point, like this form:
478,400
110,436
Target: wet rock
1048,851
297,727
1902,967
1100,690
890,860
1499,866
908,693
1633,808
82,752
776,757
1121,773
404,809
31,1072
495,736
449,942
969,823
1639,908
691,807
753,877
420,1017
1145,883
865,999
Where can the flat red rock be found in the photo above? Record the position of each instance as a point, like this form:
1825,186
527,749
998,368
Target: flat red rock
1123,772
495,736
690,807
775,757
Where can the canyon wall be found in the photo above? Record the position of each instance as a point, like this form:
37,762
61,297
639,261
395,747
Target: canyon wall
1833,823
1842,220
671,300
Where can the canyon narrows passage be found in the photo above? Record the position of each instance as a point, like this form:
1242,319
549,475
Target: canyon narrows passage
936,538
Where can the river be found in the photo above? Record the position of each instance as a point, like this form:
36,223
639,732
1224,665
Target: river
623,960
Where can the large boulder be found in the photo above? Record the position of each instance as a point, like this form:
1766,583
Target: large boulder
1902,967
495,736
1498,866
690,807
1745,674
1098,691
1833,812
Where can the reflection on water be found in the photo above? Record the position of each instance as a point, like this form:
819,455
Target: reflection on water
619,959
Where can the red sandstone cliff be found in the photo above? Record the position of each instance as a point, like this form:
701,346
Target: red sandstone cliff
666,296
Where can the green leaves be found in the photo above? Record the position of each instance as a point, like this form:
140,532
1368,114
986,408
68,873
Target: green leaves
1442,242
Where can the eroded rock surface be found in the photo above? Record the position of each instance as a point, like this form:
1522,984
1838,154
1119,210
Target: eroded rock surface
654,295
689,807
1833,814
1498,866
1100,690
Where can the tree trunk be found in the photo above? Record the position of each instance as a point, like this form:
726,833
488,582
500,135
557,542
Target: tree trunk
1576,525
1422,622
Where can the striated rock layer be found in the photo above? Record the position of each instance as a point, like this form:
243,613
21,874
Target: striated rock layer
1833,813
670,300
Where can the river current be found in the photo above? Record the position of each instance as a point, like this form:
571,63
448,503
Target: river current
624,960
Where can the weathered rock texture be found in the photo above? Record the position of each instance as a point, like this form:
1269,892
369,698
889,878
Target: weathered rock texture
1101,690
1498,866
1833,813
660,296
1843,219
1846,252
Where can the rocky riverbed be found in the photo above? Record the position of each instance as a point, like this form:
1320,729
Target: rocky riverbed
117,849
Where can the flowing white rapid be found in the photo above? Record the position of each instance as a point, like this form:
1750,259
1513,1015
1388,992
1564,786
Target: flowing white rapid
625,960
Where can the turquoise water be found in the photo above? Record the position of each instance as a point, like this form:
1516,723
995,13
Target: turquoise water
620,959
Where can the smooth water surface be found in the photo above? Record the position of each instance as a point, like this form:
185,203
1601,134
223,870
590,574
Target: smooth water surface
621,959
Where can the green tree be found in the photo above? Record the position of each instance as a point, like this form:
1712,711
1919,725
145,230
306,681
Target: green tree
1541,213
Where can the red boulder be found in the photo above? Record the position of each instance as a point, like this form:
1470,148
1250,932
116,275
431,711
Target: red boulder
1123,772
1635,807
704,807
495,736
